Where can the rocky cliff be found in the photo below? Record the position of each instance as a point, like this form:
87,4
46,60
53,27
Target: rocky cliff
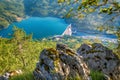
102,59
63,63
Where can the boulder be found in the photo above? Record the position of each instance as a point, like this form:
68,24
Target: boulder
3,78
100,58
61,63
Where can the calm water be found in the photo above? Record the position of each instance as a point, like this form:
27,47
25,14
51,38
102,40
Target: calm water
49,26
39,27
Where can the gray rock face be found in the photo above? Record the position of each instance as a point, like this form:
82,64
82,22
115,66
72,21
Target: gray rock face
102,59
60,64
3,78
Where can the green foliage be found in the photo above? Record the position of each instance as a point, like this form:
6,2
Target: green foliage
96,75
75,78
10,11
89,6
43,8
75,42
3,23
21,52
117,51
25,76
60,1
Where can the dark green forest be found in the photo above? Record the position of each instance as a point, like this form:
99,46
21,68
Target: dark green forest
10,11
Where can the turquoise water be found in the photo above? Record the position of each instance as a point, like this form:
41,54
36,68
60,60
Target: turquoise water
49,26
39,27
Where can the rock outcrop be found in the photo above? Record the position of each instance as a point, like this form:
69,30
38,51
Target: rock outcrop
3,78
100,58
61,63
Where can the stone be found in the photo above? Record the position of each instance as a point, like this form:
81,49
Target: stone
100,58
83,49
10,74
61,63
3,78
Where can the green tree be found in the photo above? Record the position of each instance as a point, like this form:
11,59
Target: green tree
88,6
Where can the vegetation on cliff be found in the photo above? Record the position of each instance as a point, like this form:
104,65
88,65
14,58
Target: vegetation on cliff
21,52
10,11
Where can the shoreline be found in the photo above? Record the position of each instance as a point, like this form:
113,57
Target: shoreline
94,34
104,39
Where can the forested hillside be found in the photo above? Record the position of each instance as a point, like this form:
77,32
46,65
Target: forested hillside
69,9
43,8
10,11
15,10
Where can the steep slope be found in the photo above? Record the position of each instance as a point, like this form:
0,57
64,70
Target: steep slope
44,8
61,63
10,11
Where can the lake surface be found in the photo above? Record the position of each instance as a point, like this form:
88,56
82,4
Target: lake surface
39,27
50,26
